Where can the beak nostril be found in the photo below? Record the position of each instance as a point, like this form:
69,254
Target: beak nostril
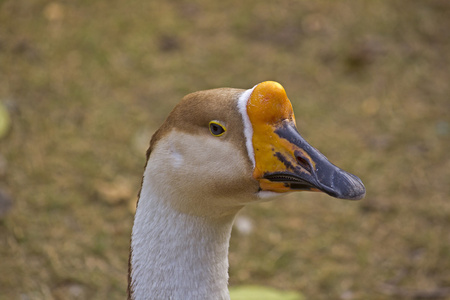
304,163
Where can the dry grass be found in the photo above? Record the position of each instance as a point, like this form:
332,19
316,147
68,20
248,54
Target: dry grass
87,82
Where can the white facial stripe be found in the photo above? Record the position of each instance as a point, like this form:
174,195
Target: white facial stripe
248,129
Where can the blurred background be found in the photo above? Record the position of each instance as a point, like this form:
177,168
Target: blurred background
84,84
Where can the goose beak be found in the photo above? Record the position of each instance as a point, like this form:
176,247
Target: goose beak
294,165
284,161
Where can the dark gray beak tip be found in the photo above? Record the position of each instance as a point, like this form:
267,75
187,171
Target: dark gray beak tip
348,186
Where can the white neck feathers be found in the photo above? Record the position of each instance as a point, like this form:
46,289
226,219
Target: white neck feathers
176,255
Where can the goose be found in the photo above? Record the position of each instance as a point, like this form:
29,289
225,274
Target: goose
216,152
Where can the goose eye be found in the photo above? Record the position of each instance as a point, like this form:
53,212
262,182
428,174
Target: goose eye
216,128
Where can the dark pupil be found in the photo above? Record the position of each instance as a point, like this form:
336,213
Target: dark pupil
216,129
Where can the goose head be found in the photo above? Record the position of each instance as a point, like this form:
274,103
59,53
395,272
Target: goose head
217,151
224,148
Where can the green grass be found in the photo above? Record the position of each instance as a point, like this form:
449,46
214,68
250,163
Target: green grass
87,82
